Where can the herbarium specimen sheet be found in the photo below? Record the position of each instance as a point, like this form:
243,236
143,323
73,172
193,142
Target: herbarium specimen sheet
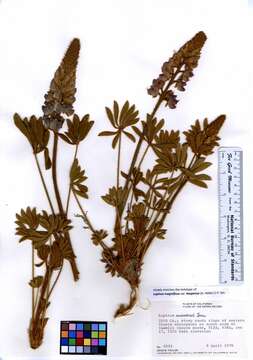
123,47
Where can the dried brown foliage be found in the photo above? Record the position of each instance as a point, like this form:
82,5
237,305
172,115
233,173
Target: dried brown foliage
49,232
142,198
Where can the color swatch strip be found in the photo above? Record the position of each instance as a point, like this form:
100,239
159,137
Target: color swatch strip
83,337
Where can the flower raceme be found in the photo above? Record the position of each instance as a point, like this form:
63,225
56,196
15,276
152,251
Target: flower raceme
178,70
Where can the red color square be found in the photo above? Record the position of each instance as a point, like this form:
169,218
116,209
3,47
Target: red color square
79,341
79,334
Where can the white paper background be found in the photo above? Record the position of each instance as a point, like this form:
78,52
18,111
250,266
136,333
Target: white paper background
124,44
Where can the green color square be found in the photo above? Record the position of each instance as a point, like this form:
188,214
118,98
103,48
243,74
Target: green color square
72,341
94,334
87,327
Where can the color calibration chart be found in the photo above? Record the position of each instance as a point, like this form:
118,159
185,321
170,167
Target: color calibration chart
83,337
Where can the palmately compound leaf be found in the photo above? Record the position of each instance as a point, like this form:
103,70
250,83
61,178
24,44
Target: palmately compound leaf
114,196
120,120
202,141
98,235
77,178
77,129
34,131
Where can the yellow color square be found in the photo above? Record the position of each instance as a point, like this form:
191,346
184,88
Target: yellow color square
64,334
102,334
86,342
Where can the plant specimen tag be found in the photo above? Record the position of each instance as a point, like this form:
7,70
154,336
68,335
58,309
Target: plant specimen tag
83,338
198,321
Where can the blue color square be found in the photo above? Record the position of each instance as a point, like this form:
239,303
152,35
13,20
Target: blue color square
101,342
94,349
72,349
94,327
86,349
87,334
64,341
79,349
79,327
102,327
72,334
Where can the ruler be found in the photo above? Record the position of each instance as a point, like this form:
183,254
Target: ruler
230,195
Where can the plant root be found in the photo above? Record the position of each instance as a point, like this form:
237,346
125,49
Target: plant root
125,309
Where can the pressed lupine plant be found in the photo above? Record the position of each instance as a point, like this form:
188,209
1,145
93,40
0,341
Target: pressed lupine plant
49,231
142,198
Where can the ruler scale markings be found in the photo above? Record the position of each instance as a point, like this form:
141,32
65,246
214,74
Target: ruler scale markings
230,215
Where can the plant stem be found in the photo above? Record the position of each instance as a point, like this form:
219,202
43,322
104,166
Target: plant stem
131,185
152,115
47,295
36,298
54,174
55,282
59,202
137,150
37,324
170,202
44,286
117,228
129,207
86,219
162,205
143,157
44,183
118,161
69,192
33,273
151,197
88,223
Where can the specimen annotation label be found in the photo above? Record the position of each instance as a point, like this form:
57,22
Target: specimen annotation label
198,321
